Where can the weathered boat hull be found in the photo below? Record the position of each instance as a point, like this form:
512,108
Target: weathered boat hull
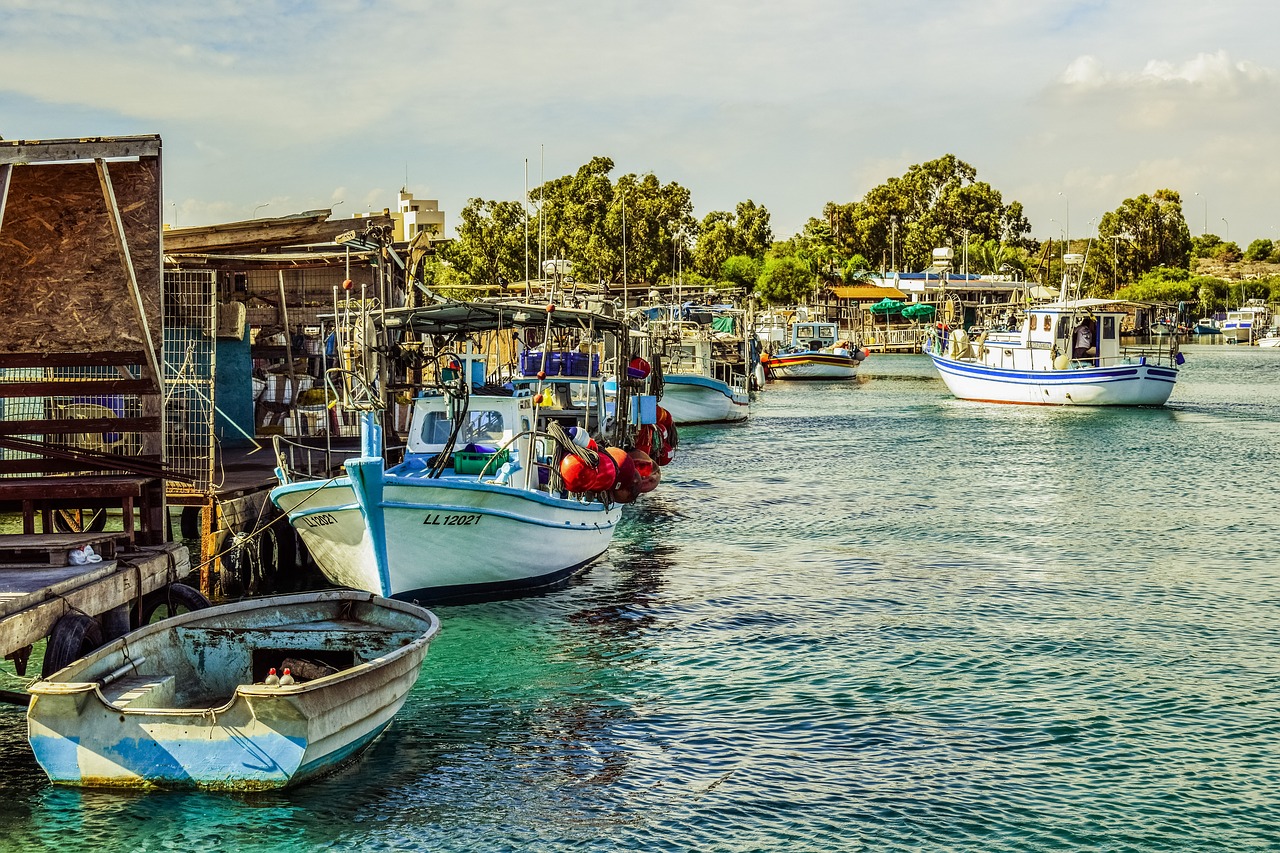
434,540
702,400
813,365
85,733
1137,384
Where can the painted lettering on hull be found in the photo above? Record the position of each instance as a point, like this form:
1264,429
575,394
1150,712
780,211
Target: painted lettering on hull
451,519
319,520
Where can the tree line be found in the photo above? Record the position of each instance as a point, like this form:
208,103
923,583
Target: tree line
638,230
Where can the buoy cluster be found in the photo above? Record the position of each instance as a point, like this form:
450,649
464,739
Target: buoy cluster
620,474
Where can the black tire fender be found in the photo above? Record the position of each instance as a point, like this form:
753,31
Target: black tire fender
73,636
171,598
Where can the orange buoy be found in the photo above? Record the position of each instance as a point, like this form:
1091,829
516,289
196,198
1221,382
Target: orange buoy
577,475
627,474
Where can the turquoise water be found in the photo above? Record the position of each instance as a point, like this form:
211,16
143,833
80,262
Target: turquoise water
872,618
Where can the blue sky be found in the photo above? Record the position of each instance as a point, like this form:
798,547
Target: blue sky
279,107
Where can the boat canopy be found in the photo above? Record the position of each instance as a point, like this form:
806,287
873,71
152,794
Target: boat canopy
452,318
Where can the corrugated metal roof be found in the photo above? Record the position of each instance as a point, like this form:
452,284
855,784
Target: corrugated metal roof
867,292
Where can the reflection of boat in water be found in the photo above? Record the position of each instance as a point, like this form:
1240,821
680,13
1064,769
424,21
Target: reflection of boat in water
815,353
184,703
1064,352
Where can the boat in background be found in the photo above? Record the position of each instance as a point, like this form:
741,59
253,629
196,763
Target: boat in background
1245,324
184,703
705,358
1271,339
816,353
1205,327
1066,352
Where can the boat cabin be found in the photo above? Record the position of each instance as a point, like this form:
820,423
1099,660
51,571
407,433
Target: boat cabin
1083,332
814,335
486,439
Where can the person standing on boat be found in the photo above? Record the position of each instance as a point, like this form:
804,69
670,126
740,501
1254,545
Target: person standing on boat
1082,339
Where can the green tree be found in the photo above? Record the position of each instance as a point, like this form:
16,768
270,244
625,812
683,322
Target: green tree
723,235
1259,250
741,271
1145,232
1162,284
785,280
934,204
490,245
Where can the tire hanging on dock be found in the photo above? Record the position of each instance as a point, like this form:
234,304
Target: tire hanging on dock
172,600
73,636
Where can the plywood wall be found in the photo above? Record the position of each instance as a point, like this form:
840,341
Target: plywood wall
63,286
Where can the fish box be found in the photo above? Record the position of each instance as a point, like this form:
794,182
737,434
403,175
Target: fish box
531,362
474,461
582,364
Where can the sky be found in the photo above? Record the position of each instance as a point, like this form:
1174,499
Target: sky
272,107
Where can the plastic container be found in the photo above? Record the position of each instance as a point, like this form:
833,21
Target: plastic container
582,364
531,362
474,460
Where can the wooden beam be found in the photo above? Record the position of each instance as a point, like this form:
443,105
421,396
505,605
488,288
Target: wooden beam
71,359
296,230
72,426
131,275
76,387
25,151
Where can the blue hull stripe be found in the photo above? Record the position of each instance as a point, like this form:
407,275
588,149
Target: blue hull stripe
1093,376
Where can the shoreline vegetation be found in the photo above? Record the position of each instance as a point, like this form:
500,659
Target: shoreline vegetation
636,229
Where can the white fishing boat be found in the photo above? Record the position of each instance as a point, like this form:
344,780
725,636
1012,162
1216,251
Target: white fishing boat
815,352
1245,324
704,357
1271,339
479,506
1066,352
186,703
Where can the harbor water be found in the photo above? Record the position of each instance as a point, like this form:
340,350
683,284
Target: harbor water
871,618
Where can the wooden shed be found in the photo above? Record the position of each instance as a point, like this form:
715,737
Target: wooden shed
81,339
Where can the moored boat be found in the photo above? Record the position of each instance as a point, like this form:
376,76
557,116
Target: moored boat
1066,352
1245,324
704,356
184,703
480,506
815,353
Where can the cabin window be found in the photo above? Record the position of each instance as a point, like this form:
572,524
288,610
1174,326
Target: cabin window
1048,323
1108,328
1064,327
484,427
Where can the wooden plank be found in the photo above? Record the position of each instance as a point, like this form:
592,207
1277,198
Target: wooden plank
126,261
146,573
26,151
24,586
71,488
72,359
68,426
312,228
49,465
77,387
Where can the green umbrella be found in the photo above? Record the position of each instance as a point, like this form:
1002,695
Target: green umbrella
886,306
918,311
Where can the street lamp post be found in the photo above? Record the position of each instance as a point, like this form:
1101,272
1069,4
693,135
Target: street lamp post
254,215
1226,230
1204,228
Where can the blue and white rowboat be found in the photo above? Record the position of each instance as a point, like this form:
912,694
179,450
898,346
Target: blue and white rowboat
182,704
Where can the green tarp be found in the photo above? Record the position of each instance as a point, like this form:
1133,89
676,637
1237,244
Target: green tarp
722,324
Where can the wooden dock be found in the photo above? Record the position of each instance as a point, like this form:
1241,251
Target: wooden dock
38,586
